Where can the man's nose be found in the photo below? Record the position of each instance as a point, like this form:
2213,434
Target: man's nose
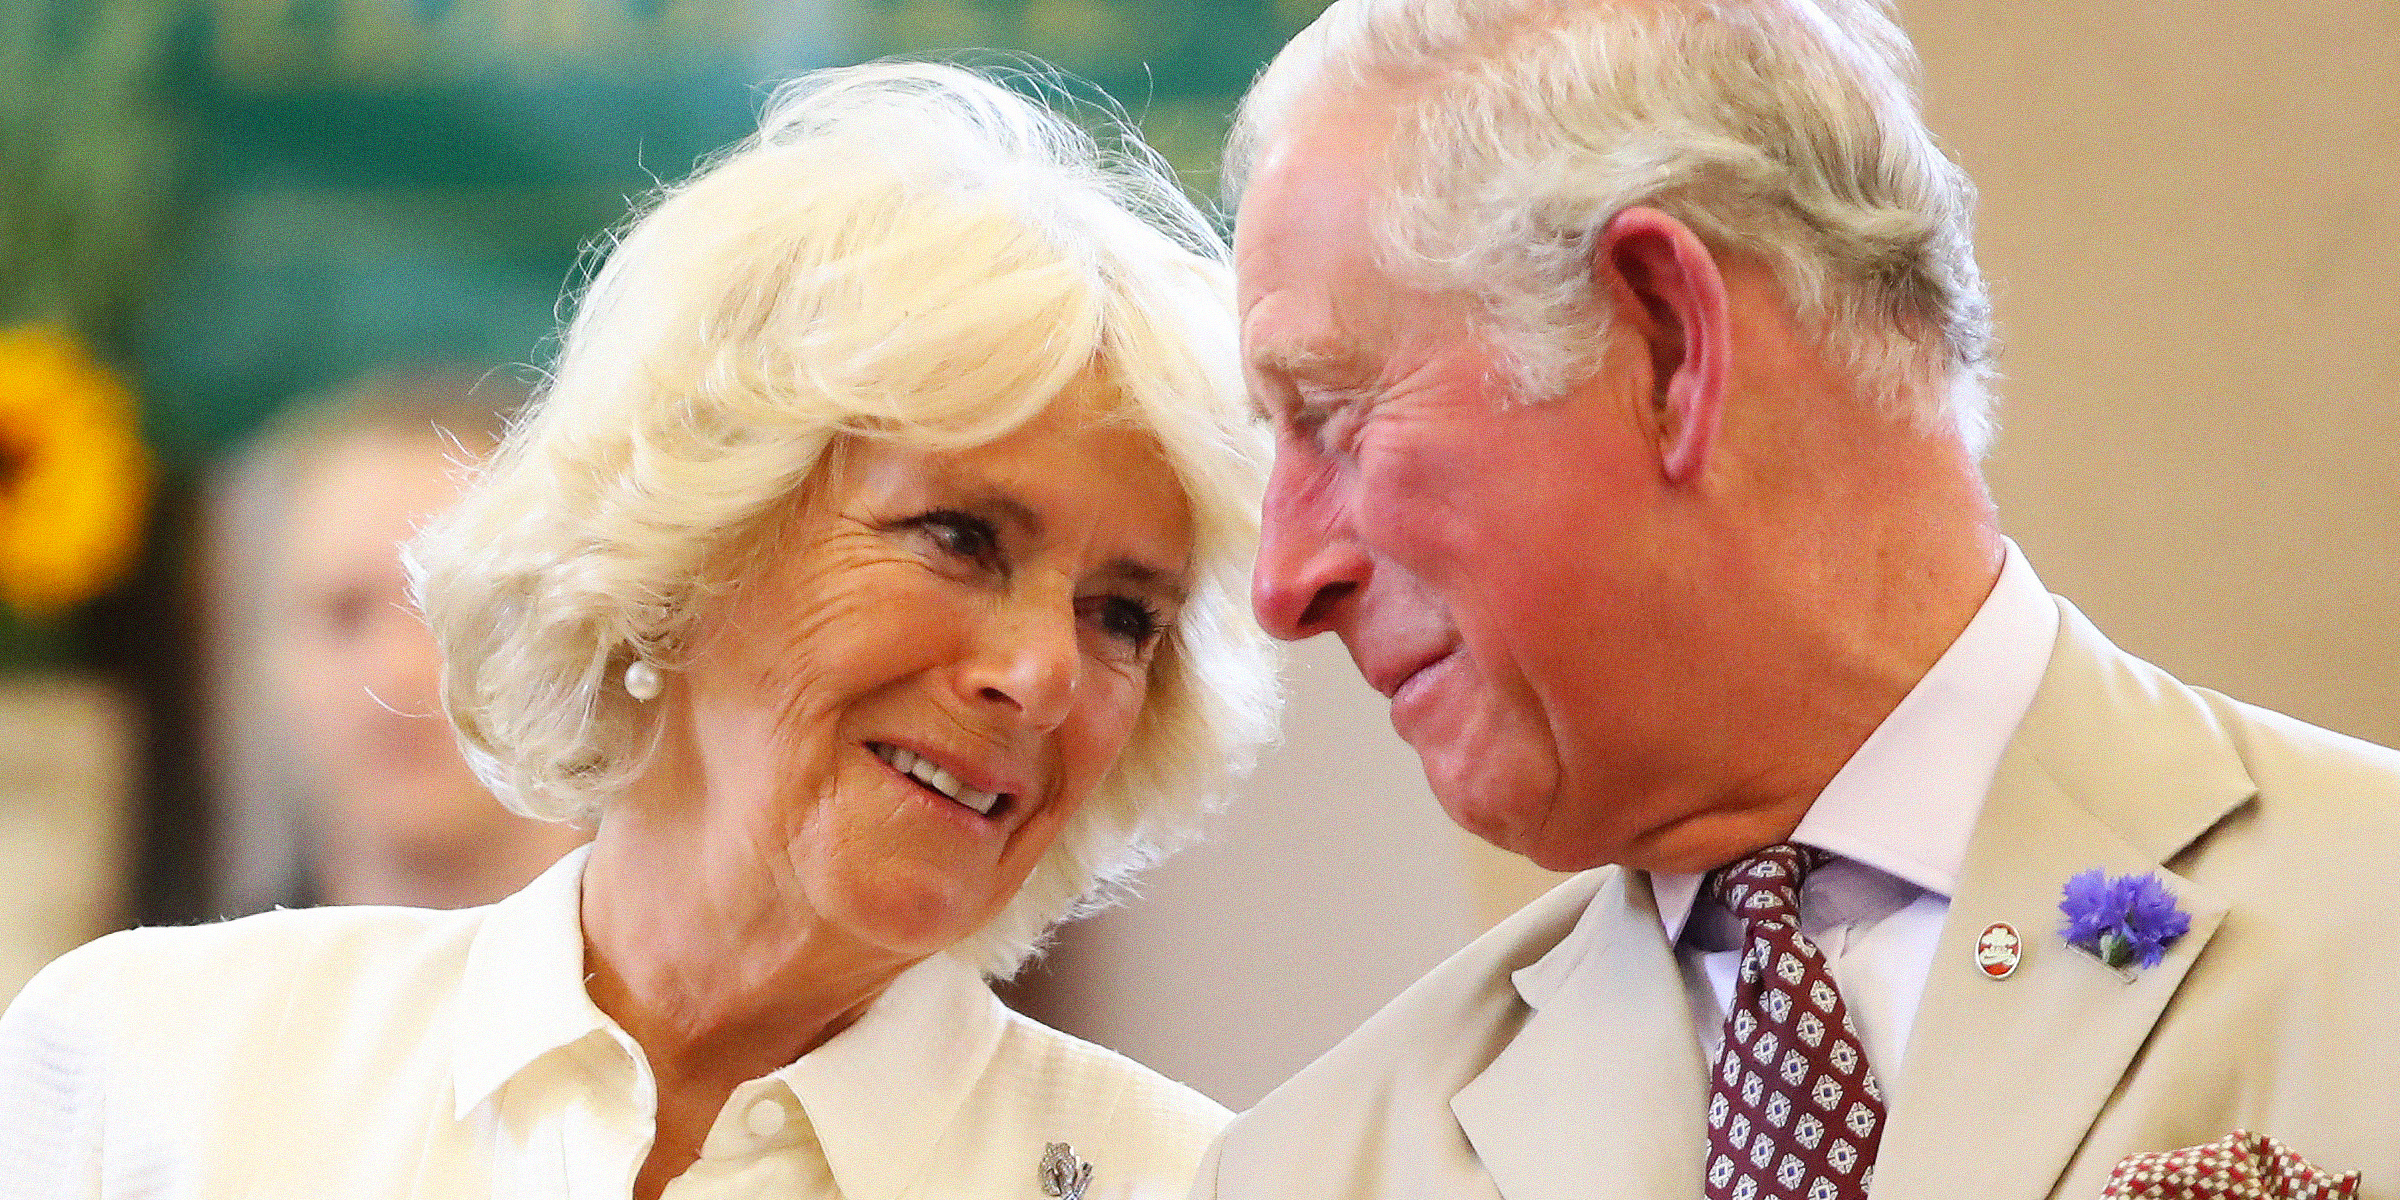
1308,563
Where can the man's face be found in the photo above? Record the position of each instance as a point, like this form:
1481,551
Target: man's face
1483,558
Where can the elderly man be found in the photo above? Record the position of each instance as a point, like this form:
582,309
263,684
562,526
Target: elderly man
1628,363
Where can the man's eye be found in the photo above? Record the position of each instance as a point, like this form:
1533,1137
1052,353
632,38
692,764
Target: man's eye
1305,422
1329,422
962,535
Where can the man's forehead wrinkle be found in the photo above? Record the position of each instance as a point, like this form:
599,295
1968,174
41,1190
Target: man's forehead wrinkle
1297,331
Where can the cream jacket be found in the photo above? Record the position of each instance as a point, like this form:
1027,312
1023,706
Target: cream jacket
363,1053
2277,1013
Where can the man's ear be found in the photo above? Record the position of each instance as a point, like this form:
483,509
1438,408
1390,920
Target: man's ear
1667,291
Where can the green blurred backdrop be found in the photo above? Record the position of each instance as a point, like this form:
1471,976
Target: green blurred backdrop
265,197
237,204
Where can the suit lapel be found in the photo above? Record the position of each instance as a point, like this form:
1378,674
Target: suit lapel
1600,1092
2117,767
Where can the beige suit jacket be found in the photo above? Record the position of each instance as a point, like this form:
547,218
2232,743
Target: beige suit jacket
2278,1013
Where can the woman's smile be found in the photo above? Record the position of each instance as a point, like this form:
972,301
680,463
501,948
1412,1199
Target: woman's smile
927,772
914,699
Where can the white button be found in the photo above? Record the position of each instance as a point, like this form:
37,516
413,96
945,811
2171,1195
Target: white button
765,1119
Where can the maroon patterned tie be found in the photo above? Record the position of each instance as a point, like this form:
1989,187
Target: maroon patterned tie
1794,1113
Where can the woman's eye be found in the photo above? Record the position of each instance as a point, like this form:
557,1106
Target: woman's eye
1126,618
962,535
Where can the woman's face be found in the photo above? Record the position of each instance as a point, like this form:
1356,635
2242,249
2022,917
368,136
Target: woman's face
897,710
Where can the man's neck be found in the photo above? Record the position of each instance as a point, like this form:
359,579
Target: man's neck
1857,586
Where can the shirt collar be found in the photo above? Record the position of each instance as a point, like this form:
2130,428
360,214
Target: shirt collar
522,993
1906,801
898,1076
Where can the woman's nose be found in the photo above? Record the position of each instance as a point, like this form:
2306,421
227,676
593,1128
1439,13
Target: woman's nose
1029,660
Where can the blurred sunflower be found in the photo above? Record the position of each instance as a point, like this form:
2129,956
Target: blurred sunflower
73,475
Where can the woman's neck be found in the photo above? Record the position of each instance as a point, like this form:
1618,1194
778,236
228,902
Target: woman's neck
712,977
716,980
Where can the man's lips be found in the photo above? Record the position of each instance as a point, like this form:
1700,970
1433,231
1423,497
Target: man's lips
1393,682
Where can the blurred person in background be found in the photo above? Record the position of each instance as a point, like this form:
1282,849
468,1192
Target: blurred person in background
389,811
872,571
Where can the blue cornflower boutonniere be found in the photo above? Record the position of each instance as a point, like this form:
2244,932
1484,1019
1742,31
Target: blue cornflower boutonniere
2125,922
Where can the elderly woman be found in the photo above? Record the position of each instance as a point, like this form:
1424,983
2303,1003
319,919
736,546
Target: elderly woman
871,571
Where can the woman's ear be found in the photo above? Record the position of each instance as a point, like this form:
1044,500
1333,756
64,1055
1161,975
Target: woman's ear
1668,292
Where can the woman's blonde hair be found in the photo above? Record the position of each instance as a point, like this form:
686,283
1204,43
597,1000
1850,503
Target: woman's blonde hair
904,251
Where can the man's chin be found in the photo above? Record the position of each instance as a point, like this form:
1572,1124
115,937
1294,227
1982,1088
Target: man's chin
1516,825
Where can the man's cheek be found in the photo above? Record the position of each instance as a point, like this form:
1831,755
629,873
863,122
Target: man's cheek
1421,508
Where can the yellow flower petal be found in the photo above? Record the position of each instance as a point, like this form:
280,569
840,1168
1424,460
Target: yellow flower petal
74,477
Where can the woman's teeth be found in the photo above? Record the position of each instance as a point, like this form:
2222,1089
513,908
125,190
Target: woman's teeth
908,763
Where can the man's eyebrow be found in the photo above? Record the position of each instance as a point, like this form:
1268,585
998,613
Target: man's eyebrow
1312,362
1306,361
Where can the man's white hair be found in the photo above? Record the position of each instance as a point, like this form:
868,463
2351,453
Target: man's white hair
905,252
1788,129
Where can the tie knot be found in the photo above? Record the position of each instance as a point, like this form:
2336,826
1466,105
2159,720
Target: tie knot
1765,883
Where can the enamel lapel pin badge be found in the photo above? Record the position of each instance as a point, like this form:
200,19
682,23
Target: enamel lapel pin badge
1998,950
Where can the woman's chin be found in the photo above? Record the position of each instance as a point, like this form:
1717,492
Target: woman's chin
909,913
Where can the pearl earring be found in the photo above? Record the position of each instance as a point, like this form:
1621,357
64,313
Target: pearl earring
642,680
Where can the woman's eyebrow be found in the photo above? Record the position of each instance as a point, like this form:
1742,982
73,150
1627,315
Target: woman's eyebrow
997,505
1133,573
1169,586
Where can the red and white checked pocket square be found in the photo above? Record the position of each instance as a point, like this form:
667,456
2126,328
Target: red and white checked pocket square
2239,1166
